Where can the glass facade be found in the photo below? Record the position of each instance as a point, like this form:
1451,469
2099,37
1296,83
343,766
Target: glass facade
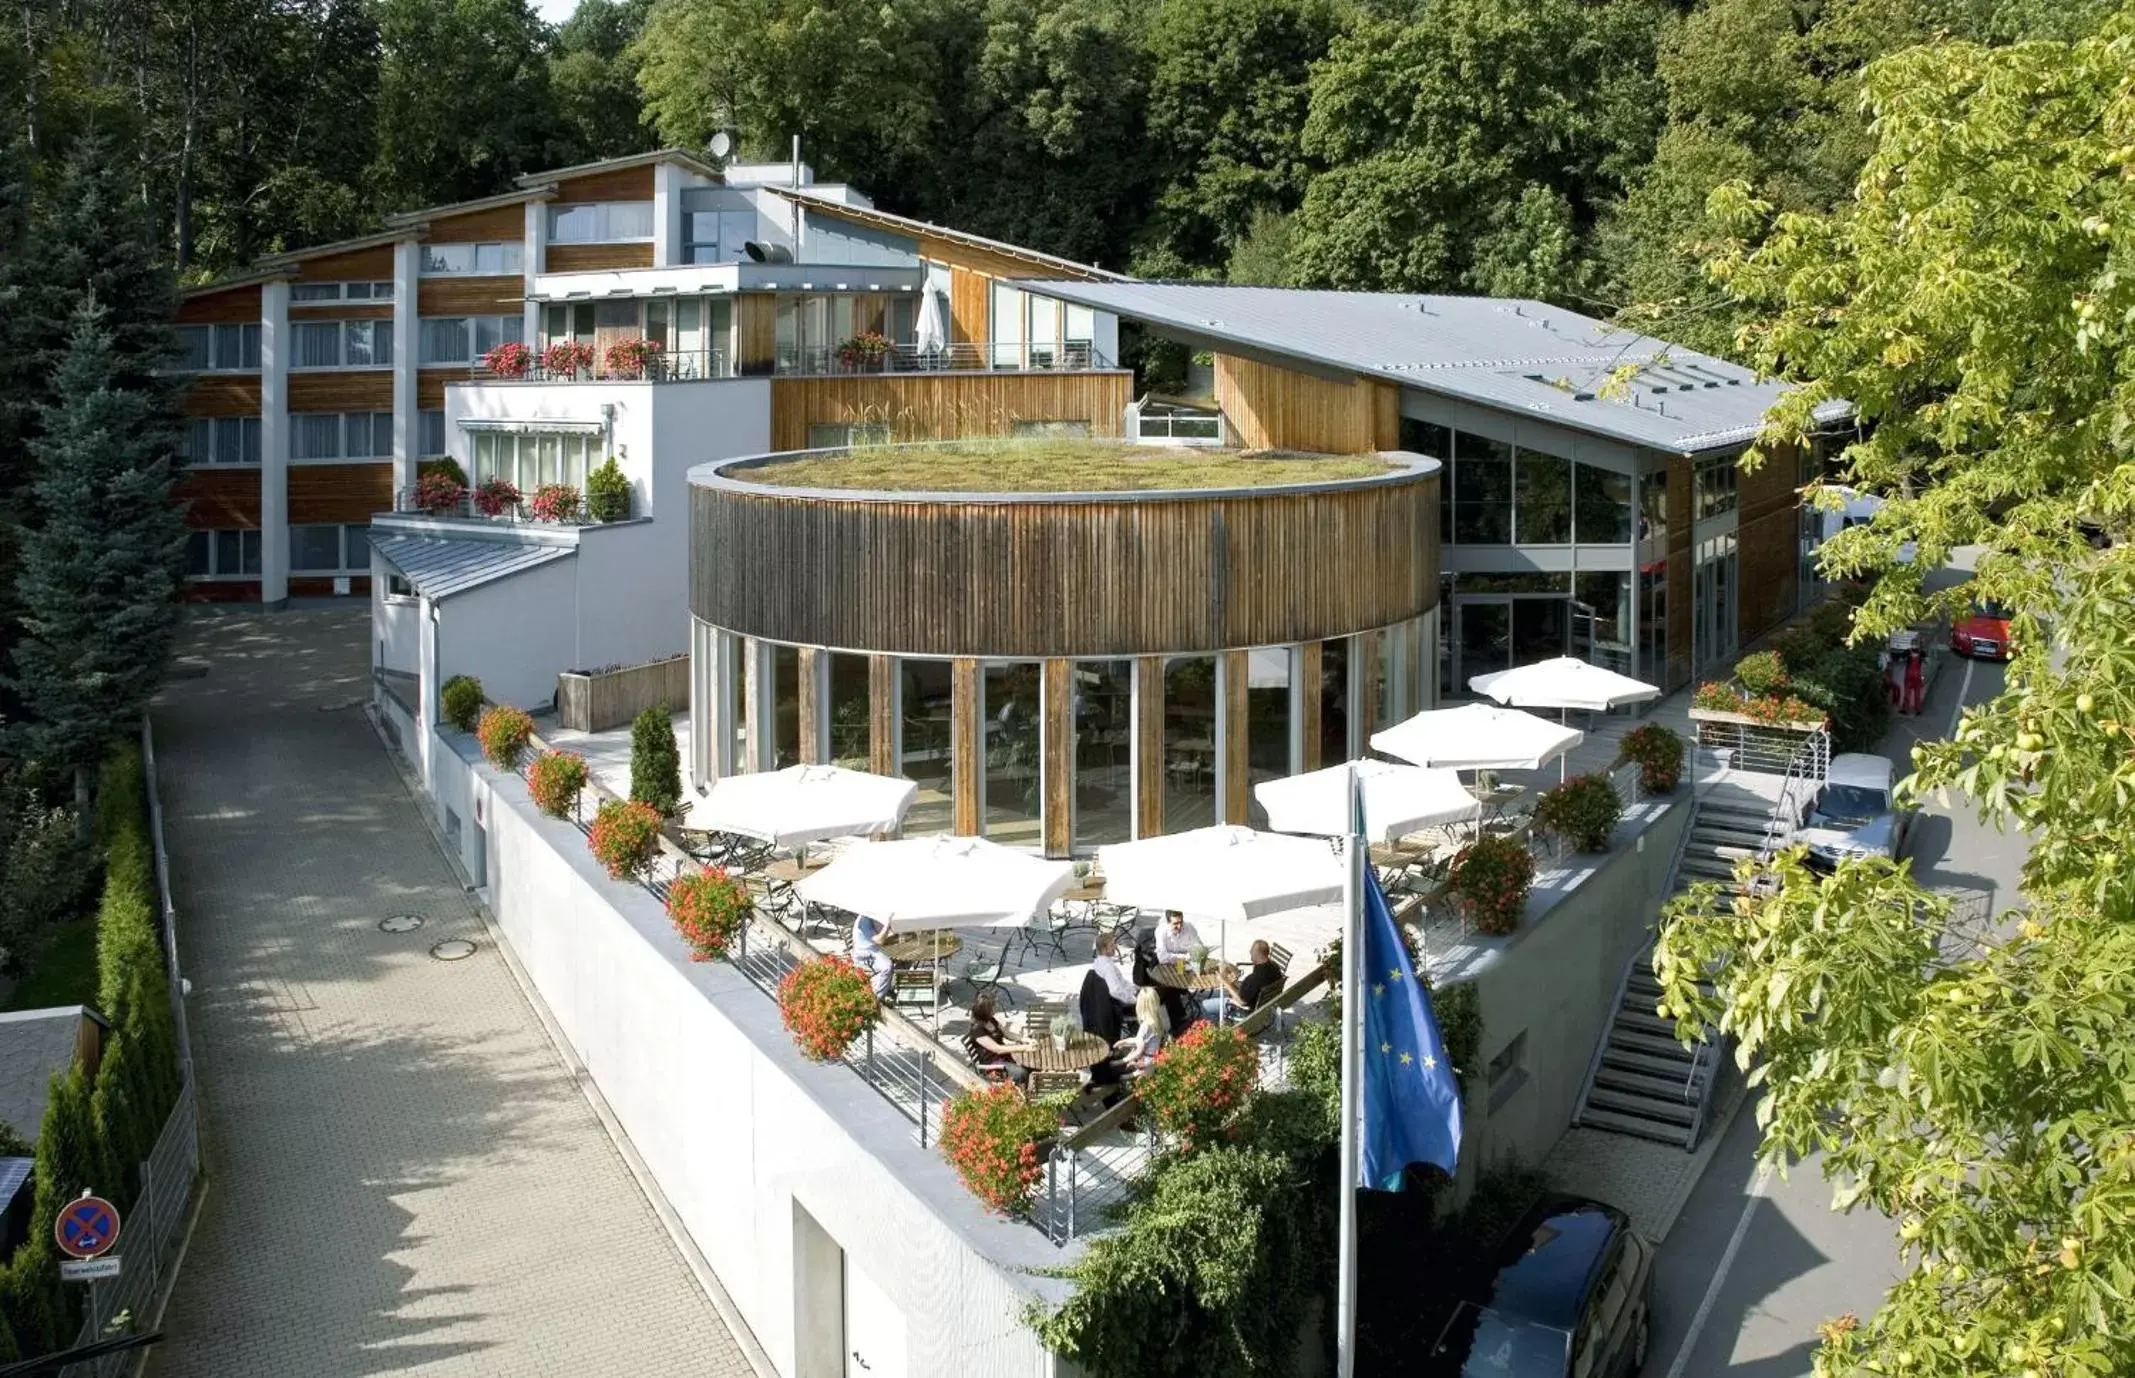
1011,734
1482,490
1189,742
1542,499
923,700
848,710
1334,692
1104,751
1270,672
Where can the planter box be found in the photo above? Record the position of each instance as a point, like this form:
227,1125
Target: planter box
598,700
1745,720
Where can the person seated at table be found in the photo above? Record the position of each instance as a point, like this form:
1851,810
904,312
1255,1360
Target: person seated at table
1262,982
989,1044
867,952
1139,1050
1105,967
1176,939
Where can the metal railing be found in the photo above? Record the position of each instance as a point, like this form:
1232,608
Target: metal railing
1754,746
409,500
155,1226
1804,778
840,360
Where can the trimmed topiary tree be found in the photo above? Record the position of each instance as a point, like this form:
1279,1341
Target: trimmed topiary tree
608,493
460,700
655,761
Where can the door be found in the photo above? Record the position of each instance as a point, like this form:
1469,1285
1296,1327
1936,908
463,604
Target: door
874,1328
1541,629
1482,639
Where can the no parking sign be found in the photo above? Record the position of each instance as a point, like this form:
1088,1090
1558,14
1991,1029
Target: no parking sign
86,1227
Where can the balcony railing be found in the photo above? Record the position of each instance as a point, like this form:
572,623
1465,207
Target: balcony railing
969,356
407,500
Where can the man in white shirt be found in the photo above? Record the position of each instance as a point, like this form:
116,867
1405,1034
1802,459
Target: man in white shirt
867,952
1176,938
1106,965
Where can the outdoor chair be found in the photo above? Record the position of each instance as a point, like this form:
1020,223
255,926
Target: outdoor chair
983,976
914,988
1051,1083
1280,955
1047,928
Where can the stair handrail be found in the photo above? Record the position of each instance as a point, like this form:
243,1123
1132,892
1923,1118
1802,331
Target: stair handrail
1601,1044
1806,769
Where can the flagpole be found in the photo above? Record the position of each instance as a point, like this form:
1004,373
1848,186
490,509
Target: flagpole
1352,1089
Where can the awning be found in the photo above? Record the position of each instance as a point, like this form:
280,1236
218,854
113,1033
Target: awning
439,568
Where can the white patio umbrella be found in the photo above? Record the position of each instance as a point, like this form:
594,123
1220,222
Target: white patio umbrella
803,804
930,334
927,883
1476,736
1397,800
1225,872
1563,683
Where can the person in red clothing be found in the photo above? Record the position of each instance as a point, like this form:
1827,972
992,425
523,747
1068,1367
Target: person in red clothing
1915,697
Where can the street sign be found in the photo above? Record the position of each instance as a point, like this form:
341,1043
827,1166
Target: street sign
88,1269
86,1227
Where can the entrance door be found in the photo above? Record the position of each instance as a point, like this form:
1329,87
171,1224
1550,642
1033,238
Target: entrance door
1541,629
874,1328
1715,609
1482,639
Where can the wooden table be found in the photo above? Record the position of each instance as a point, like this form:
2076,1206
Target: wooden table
1175,976
1083,1050
905,949
788,870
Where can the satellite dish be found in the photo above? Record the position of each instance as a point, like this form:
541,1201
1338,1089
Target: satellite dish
722,144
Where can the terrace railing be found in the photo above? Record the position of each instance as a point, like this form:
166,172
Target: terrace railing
691,365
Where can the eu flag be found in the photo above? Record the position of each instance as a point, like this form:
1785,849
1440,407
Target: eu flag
1411,1102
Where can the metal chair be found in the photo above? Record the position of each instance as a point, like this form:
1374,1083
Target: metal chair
1047,928
914,988
983,976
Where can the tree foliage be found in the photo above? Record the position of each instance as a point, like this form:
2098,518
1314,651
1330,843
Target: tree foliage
1969,1077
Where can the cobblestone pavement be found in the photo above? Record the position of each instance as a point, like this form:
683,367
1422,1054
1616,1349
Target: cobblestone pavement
1649,1181
404,1177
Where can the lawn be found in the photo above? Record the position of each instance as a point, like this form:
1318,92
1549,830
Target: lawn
1056,466
64,973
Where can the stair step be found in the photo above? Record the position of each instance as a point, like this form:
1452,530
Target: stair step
1647,1044
1666,1109
1647,1064
1637,1125
1626,1082
1645,1021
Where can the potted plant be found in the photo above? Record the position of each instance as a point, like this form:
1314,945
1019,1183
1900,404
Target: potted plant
825,1005
865,351
623,836
555,780
608,493
631,357
509,360
1492,876
1584,810
439,493
555,502
567,359
707,908
460,700
497,497
1200,1084
1659,754
503,732
1197,958
1060,1030
998,1143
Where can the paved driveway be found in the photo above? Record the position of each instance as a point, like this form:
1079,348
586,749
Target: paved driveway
405,1178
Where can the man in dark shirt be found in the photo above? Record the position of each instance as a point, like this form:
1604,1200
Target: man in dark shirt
1262,982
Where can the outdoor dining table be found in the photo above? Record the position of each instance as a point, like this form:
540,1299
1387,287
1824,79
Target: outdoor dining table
1175,976
910,949
789,870
1082,1050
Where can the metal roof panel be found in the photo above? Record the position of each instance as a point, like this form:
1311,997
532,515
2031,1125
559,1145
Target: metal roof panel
438,567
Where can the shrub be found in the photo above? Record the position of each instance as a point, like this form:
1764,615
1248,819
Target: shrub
497,497
567,359
1761,674
1772,711
707,908
623,836
509,360
1846,683
1200,1083
446,465
439,494
608,493
655,762
1659,754
45,872
1493,875
503,732
555,780
631,358
865,350
555,502
1584,810
461,701
991,1138
826,1005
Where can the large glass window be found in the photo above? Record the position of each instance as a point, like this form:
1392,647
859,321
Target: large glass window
1333,690
1104,734
1482,490
1189,742
329,549
222,554
218,347
495,259
924,689
1267,718
848,710
341,344
465,339
1542,500
1653,506
341,435
529,459
600,222
430,437
221,440
1601,620
1653,623
785,706
1010,734
1717,487
1604,506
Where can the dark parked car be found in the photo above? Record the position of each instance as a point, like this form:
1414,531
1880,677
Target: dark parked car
1570,1296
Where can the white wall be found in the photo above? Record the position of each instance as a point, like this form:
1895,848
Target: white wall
736,1126
393,625
515,635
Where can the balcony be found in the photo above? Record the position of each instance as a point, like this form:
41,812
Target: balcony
681,366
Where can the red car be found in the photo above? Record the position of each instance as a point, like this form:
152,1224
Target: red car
1985,634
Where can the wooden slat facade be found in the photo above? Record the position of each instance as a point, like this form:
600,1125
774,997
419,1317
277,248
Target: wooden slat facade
970,306
339,492
1364,680
356,265
947,406
1308,674
1056,752
430,385
351,389
755,332
470,296
1148,746
619,184
882,716
1035,575
341,311
809,665
1270,408
304,586
496,224
223,394
230,305
1236,743
587,258
218,498
966,742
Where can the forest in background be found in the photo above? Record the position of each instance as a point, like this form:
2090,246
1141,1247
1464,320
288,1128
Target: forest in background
1560,149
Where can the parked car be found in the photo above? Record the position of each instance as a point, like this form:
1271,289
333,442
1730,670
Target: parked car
1570,1293
1855,813
1984,634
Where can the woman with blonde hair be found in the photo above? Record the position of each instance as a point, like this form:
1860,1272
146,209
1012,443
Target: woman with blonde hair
1141,1049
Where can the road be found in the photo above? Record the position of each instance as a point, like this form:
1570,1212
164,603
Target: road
1751,1269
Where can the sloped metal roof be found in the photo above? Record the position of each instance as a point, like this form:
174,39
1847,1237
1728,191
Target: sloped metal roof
439,567
1516,355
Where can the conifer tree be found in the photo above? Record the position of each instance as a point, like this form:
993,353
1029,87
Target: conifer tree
655,763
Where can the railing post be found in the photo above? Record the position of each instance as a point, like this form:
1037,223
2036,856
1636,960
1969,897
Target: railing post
148,1205
924,1063
1073,1154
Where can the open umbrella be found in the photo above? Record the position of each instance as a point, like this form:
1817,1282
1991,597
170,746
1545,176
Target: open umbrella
1397,800
1563,683
803,804
1476,736
1225,872
926,883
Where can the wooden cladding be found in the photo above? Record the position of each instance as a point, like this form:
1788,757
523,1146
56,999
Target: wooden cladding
755,332
470,296
618,184
223,395
587,258
1309,660
882,716
810,664
229,305
339,492
1056,751
341,311
478,227
966,741
430,386
219,498
1270,408
970,306
1148,746
356,389
356,265
946,406
1067,575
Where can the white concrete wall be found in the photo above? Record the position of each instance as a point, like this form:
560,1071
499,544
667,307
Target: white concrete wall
514,635
736,1126
393,625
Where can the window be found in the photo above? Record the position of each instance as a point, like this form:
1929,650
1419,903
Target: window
1011,706
220,440
833,435
1104,735
465,339
1604,501
397,586
1482,490
341,435
1653,506
600,222
341,344
329,549
218,348
504,258
222,554
528,459
1508,1070
1542,499
314,292
430,437
1715,488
